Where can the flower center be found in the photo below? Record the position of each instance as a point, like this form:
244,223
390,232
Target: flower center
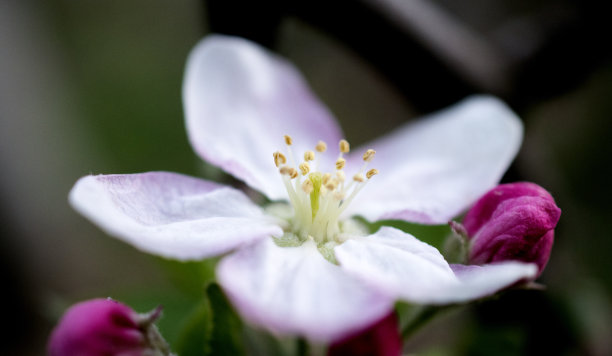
318,198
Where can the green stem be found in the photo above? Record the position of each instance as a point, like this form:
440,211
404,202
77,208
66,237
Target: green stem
420,318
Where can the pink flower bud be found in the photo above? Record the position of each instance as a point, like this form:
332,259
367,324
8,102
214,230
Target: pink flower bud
100,327
382,338
512,222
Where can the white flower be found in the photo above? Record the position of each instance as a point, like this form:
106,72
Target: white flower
307,268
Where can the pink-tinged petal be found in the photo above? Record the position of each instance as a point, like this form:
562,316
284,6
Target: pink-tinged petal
413,271
294,290
381,339
396,262
240,100
433,169
482,281
171,215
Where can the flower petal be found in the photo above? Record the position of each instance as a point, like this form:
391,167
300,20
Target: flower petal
171,215
294,290
411,270
240,100
481,281
431,170
397,262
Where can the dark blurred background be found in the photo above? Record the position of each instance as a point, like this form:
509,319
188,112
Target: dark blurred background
95,87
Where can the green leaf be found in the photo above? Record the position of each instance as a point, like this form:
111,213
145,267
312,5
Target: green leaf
261,343
194,339
227,332
190,277
434,235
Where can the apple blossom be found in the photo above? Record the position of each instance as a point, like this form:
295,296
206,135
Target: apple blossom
302,265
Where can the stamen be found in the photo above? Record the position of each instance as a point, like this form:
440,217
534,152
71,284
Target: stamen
340,163
288,171
368,156
319,198
326,178
372,172
331,184
304,168
321,147
341,176
309,156
307,186
279,159
344,146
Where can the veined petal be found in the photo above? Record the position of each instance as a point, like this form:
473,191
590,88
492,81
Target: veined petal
240,100
294,290
413,271
171,215
433,169
397,262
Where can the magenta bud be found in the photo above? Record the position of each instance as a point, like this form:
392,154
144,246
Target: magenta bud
100,327
512,222
381,338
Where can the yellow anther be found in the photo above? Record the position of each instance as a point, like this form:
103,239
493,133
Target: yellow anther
368,156
307,186
372,172
321,146
304,168
284,170
344,146
341,176
330,185
279,159
309,156
338,195
358,178
326,178
340,163
288,171
288,140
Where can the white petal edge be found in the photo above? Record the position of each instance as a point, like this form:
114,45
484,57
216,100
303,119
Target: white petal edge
481,281
295,291
433,169
171,215
397,262
415,272
240,100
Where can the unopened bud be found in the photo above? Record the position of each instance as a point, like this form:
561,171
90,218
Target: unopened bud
512,222
100,327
